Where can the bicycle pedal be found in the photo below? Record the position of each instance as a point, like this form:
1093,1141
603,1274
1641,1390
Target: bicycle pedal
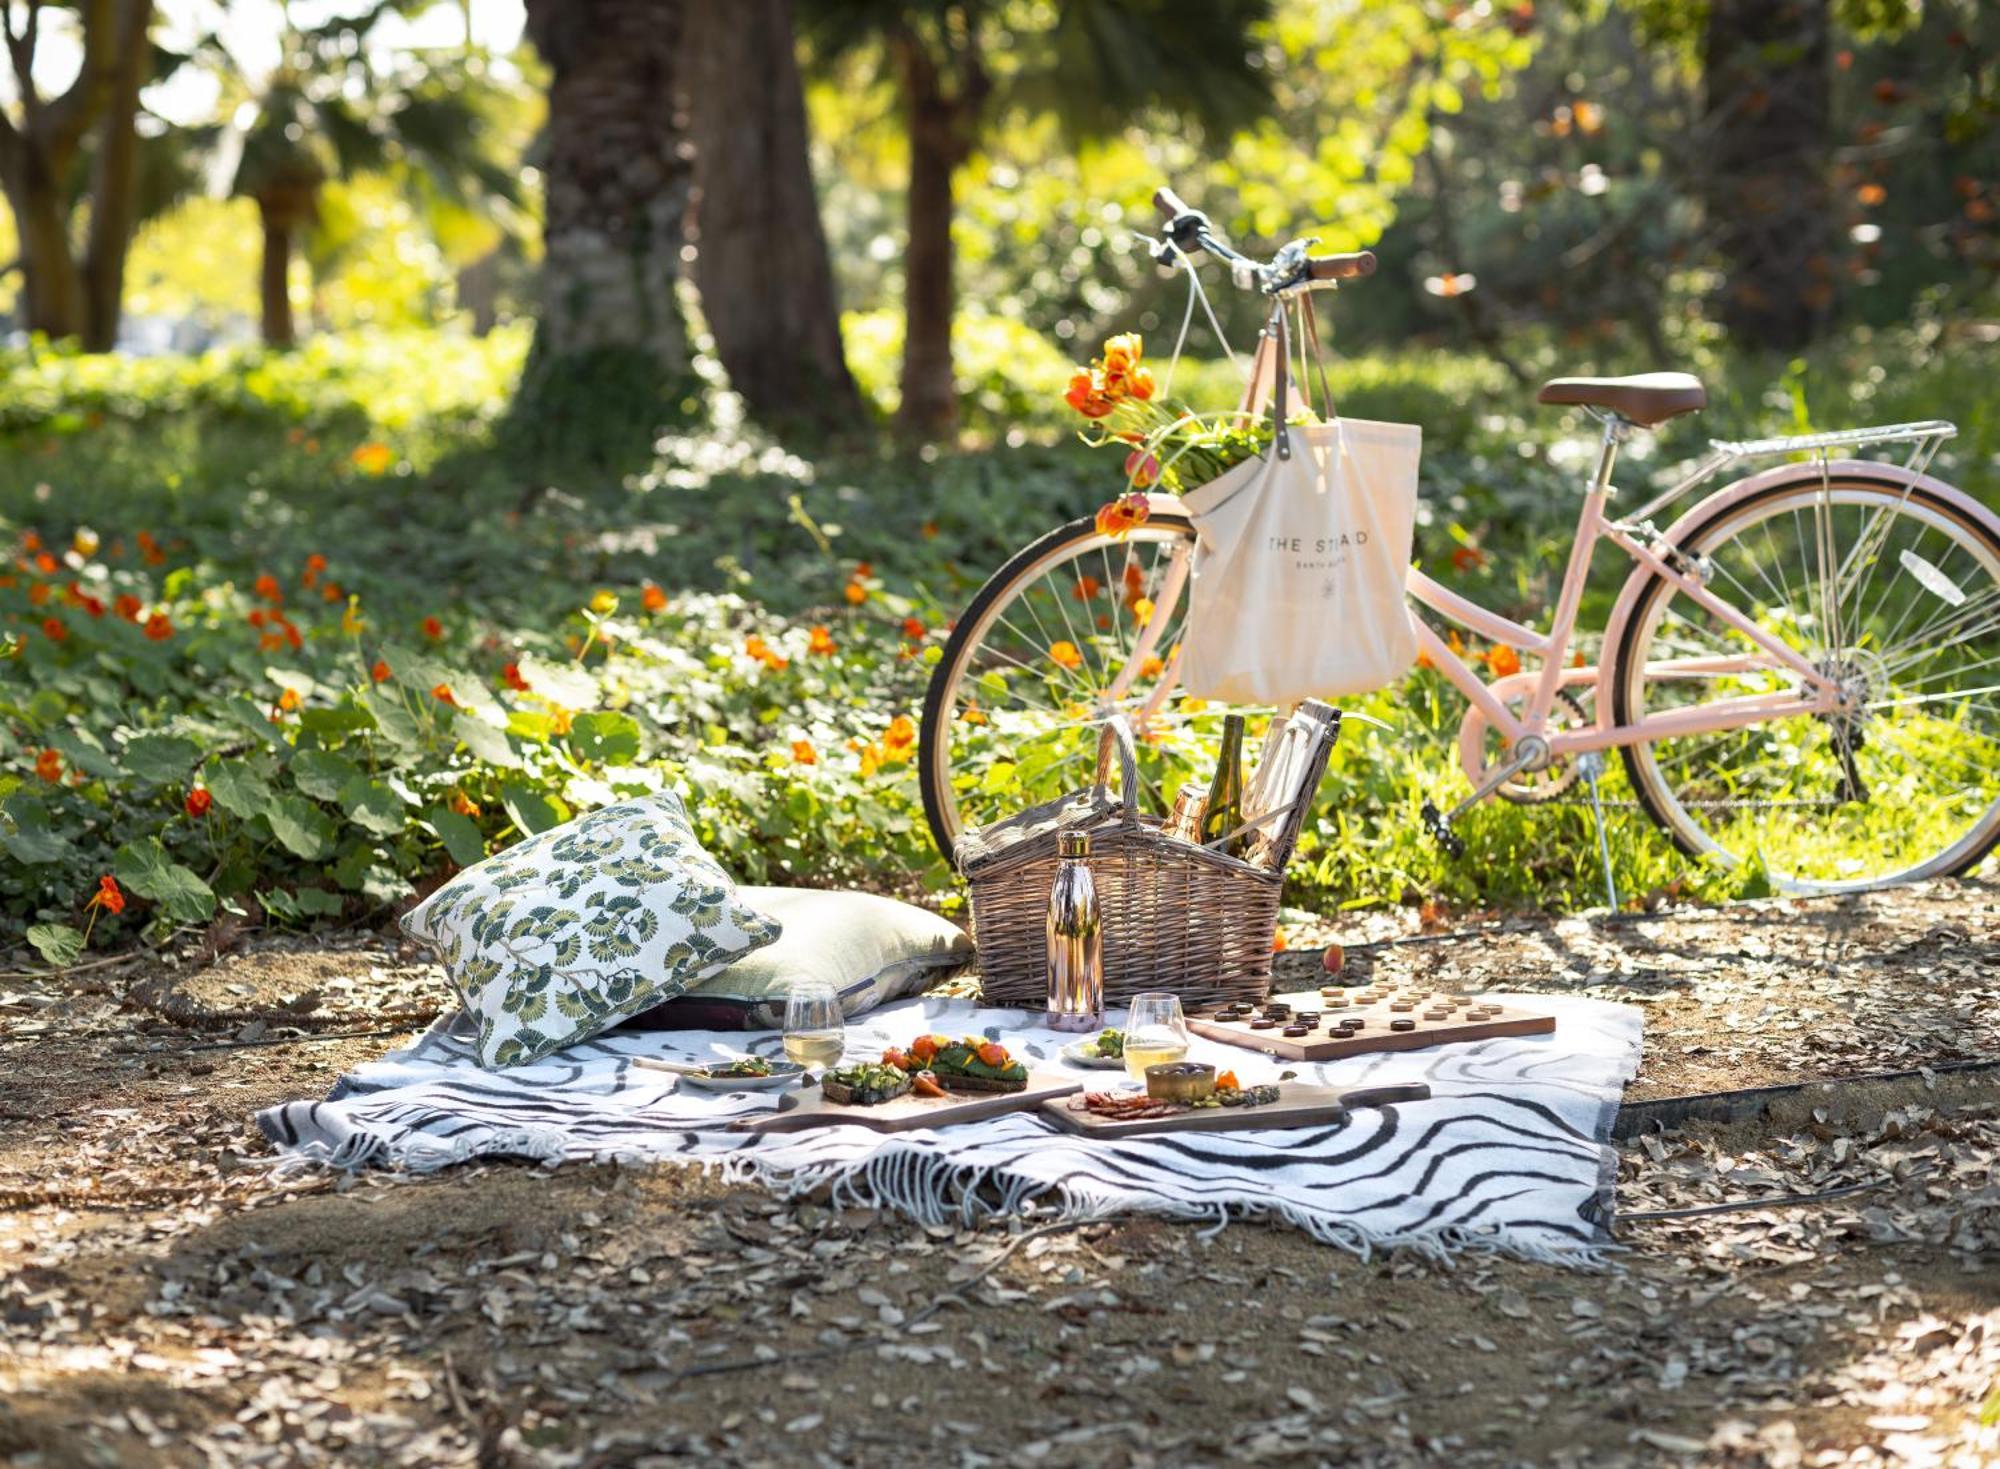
1439,827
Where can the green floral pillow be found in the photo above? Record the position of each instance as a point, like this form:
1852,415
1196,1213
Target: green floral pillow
555,939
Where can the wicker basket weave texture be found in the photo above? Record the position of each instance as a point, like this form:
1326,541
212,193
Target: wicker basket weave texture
1175,916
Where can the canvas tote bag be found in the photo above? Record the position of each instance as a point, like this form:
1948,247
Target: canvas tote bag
1300,558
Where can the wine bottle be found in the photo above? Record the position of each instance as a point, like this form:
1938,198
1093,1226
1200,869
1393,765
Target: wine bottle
1225,791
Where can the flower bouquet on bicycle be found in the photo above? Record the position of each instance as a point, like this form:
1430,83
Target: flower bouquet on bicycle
1800,672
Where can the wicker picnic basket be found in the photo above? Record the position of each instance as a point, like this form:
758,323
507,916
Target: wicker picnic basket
1176,916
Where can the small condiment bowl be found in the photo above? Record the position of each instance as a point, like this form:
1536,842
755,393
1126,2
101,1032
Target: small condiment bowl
1180,1081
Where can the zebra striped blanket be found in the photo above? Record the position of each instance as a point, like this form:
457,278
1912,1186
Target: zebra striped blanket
1510,1153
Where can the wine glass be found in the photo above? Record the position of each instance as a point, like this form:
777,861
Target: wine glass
1155,1032
815,1030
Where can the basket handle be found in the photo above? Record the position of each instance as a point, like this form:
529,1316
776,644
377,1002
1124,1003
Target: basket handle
1118,731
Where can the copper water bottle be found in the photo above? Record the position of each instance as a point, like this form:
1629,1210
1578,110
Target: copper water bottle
1076,940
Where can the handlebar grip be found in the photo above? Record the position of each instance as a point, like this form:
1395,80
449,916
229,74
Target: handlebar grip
1341,267
1170,204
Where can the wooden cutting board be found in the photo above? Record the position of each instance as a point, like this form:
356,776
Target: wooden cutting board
1297,1106
1378,1007
808,1107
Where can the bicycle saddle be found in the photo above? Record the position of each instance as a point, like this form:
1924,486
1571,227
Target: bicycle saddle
1646,399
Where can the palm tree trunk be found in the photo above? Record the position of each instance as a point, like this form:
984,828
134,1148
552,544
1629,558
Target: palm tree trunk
611,359
274,280
1768,112
940,124
114,183
766,281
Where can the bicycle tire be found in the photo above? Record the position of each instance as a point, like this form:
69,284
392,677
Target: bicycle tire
1646,789
932,747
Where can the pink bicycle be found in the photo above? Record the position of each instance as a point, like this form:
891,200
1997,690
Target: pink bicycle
1801,670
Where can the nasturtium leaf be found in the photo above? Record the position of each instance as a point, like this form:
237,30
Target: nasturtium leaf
301,827
25,834
238,789
305,903
322,774
393,719
605,739
372,806
84,754
532,811
344,718
460,835
161,759
486,742
147,869
58,943
559,683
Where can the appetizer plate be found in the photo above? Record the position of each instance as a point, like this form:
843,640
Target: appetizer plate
1297,1106
783,1074
1084,1053
809,1108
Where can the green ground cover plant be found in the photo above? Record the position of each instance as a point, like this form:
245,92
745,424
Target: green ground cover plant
288,636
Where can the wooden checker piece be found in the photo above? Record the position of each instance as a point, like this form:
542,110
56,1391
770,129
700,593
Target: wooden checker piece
1393,1020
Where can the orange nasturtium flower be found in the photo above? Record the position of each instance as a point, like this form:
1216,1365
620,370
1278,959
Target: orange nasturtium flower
561,720
433,629
652,598
31,541
442,693
129,607
288,700
197,803
1151,666
510,674
108,896
855,593
1279,943
902,733
332,592
48,765
463,804
1087,396
1142,611
150,549
351,621
54,630
1123,515
1085,587
912,628
1503,660
803,753
1066,655
1468,558
315,563
822,641
46,564
380,672
159,628
38,594
374,457
266,586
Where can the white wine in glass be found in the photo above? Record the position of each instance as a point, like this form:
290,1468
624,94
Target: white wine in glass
1155,1032
815,1031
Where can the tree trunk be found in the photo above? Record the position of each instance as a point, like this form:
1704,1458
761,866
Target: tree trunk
611,359
761,258
52,288
939,124
114,183
274,280
1769,101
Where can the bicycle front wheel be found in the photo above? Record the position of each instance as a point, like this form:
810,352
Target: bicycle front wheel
1892,590
1078,625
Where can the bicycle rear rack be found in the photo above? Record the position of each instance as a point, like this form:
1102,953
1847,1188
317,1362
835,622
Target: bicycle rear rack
1924,439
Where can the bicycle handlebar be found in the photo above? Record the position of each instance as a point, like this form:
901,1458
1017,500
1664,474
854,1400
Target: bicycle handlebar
1191,233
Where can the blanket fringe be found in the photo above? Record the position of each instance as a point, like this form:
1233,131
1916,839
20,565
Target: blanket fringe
934,1190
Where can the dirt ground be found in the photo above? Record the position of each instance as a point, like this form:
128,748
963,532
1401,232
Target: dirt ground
164,1300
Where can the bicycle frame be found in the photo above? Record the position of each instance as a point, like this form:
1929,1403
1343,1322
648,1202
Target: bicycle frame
1817,692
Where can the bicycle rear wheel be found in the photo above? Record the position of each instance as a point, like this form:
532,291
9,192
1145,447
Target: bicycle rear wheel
1032,665
1891,589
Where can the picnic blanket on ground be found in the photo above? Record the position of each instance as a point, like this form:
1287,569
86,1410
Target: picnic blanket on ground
1510,1153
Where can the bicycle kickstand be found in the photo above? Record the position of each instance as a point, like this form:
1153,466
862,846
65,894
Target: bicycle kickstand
1591,765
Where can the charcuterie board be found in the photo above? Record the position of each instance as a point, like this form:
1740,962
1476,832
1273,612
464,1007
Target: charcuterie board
1326,1024
1297,1106
808,1108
